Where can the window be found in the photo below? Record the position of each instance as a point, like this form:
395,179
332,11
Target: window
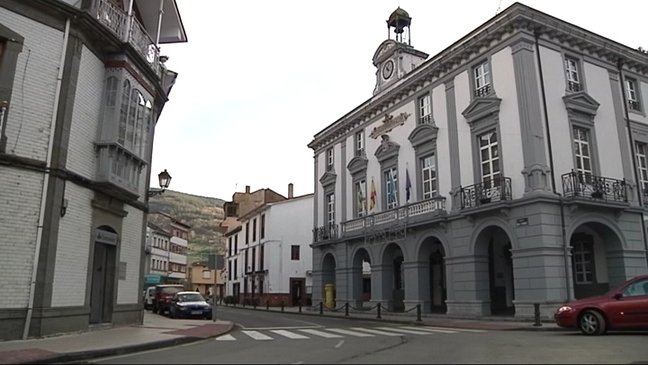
582,253
294,252
254,229
391,187
573,77
361,198
206,274
262,226
11,45
642,165
253,259
329,159
330,210
425,109
482,79
636,289
632,95
582,152
247,261
428,176
236,244
235,269
229,270
229,246
247,233
359,144
231,209
261,257
489,158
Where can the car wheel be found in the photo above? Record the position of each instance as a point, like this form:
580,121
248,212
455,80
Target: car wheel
172,314
592,323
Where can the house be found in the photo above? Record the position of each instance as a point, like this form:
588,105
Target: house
83,85
506,171
201,279
268,256
158,256
176,264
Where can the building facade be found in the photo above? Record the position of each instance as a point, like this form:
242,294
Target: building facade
157,255
507,170
83,85
201,279
175,265
268,255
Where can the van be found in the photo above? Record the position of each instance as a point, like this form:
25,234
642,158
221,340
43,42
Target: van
149,294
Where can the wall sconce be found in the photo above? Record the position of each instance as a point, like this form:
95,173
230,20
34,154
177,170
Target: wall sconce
64,205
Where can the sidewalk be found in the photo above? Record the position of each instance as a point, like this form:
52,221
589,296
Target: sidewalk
432,320
156,332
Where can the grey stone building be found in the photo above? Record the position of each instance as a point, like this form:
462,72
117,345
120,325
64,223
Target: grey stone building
507,170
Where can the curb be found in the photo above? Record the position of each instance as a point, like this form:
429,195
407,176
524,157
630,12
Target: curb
530,327
125,350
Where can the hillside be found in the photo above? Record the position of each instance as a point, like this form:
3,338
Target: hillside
203,214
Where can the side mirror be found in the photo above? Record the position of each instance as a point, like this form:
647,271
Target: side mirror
618,296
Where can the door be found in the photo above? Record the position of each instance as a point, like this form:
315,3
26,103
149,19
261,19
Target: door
631,309
297,288
437,282
98,288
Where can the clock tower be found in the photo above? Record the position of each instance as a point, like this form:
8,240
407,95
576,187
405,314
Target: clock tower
396,57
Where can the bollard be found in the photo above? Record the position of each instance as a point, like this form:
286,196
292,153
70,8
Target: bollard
300,307
321,305
418,313
536,314
282,306
346,309
268,304
378,311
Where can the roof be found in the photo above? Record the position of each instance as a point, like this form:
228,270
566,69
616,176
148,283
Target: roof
158,229
173,220
266,206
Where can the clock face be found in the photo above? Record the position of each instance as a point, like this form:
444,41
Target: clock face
388,69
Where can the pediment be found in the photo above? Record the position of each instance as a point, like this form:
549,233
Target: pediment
328,178
481,108
423,133
386,150
357,164
385,49
581,102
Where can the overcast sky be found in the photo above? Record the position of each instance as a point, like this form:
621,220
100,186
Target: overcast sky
259,78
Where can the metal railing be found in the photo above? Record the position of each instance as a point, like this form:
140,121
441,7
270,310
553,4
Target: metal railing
584,185
325,233
487,192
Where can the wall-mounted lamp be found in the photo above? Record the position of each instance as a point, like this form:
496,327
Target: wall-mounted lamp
64,205
164,179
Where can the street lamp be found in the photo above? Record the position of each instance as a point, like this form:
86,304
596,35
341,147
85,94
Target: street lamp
164,179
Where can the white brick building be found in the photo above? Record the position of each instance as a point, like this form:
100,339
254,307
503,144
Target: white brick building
81,88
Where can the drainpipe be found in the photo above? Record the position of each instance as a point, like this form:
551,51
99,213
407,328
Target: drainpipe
634,155
159,24
129,21
551,167
46,180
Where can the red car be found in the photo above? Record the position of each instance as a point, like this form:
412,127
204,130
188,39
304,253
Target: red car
625,307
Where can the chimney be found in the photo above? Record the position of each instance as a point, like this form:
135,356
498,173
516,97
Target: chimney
290,191
247,189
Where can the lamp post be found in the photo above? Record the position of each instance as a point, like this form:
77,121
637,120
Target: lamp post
164,179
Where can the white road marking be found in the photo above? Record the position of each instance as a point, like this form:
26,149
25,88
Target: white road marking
411,332
257,335
321,333
298,362
279,328
225,338
376,332
339,344
350,333
290,335
430,329
458,329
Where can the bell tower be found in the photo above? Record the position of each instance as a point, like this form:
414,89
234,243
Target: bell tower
396,57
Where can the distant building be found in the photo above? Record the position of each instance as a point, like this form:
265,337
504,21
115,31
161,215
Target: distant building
270,259
176,263
201,279
157,255
242,203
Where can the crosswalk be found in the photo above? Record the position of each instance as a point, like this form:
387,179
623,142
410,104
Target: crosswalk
331,333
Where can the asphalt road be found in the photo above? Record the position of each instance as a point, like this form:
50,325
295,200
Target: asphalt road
275,338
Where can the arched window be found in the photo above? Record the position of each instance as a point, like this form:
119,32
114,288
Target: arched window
148,120
139,124
123,114
132,118
111,99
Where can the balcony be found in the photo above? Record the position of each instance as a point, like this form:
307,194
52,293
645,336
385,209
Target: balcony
487,192
634,105
118,170
588,186
414,213
325,233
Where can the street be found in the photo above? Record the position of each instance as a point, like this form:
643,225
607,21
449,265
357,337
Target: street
275,338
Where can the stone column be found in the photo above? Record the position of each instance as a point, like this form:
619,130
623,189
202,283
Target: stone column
342,294
470,285
382,284
417,285
355,292
318,287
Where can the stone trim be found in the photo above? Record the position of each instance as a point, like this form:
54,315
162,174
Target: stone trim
328,179
357,165
387,150
581,111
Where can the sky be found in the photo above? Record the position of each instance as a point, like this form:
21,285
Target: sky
258,79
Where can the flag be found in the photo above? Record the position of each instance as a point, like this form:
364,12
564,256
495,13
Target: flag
372,196
361,198
408,185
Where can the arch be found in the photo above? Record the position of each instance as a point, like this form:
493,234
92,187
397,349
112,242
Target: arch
433,233
107,228
326,254
354,253
600,219
489,222
383,251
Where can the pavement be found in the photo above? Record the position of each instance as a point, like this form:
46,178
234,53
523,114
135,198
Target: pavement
156,332
283,338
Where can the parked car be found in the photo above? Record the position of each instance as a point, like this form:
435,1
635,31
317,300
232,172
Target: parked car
625,307
189,304
163,295
149,294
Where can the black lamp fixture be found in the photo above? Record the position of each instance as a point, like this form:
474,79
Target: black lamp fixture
164,179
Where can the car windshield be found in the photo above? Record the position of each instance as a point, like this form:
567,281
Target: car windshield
190,297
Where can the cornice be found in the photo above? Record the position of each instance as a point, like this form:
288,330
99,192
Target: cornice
516,19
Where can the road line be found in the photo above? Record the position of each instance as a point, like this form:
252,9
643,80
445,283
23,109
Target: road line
339,344
225,338
376,332
257,335
350,333
457,329
298,362
279,328
290,335
421,328
320,333
411,332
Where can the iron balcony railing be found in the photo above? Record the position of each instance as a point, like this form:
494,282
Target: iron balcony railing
584,185
325,233
486,192
393,215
